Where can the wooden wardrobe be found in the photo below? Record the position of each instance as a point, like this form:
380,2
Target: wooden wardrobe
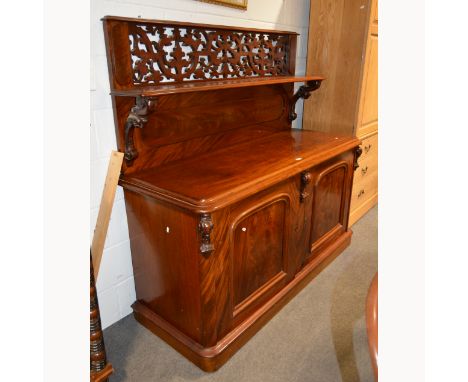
343,47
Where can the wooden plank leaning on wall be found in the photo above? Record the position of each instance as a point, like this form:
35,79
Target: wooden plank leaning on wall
100,369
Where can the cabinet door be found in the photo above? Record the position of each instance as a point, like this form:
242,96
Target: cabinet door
330,192
259,244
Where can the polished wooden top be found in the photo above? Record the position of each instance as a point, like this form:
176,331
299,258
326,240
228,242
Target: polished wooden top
197,86
214,180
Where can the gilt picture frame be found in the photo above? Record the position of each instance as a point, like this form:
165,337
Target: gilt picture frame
239,4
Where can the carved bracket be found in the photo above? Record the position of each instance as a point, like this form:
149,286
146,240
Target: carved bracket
306,177
357,154
303,92
136,118
205,227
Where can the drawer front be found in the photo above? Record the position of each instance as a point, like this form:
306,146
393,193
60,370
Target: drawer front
369,149
365,185
364,189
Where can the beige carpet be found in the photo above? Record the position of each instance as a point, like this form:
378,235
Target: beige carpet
319,336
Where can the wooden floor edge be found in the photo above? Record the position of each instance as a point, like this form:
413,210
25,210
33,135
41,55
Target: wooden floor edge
211,359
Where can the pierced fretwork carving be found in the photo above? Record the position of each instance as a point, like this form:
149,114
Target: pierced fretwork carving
303,92
306,177
136,118
205,227
357,154
162,53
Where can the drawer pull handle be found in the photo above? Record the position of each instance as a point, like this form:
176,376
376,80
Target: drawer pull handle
360,193
367,148
364,170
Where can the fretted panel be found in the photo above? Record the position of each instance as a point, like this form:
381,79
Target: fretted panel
151,53
175,54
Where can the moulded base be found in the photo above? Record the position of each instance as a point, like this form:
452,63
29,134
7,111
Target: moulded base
212,358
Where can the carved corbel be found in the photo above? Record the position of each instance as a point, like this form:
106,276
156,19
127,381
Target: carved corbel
205,227
357,154
136,118
303,92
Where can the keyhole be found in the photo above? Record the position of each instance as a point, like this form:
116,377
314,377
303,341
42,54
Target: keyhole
168,230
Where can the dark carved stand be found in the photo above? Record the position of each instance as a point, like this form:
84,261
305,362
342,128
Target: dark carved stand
100,370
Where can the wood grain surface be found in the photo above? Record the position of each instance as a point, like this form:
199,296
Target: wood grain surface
336,45
105,209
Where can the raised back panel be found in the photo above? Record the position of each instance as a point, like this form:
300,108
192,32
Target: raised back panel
186,124
186,116
144,55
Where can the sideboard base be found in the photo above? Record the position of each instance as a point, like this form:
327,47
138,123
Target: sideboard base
212,358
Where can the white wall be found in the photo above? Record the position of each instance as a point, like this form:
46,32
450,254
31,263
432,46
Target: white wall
116,290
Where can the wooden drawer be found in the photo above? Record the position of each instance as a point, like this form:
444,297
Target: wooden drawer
365,184
370,147
364,189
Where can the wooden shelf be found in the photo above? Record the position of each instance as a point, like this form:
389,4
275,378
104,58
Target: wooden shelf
197,86
210,181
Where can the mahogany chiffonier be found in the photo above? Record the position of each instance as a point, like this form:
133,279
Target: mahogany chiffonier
230,211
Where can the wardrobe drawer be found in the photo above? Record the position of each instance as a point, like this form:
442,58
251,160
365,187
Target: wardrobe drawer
365,184
363,189
368,168
369,149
